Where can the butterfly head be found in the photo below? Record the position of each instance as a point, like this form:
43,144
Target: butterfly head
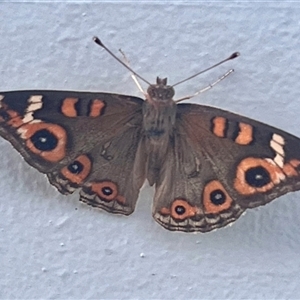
160,91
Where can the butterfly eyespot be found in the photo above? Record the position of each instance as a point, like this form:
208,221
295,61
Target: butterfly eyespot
44,140
78,170
76,167
257,175
181,209
106,190
215,198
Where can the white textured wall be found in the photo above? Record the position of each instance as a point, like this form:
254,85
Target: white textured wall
52,246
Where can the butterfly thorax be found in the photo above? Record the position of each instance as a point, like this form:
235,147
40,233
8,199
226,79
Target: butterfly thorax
159,111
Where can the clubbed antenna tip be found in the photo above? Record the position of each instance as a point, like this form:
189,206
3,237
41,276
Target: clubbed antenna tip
234,55
97,41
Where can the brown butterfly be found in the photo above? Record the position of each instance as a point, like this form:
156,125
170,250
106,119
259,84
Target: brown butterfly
208,165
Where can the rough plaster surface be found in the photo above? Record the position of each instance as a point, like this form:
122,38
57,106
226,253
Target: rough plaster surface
53,247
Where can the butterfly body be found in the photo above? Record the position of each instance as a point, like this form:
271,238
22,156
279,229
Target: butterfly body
208,165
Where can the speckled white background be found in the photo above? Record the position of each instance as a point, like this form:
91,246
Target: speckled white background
53,247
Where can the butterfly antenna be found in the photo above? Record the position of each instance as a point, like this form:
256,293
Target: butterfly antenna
232,56
98,42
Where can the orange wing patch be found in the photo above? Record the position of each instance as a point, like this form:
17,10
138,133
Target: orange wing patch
219,126
290,168
96,108
245,136
15,119
68,107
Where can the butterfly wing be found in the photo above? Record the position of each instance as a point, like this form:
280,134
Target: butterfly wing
218,165
80,140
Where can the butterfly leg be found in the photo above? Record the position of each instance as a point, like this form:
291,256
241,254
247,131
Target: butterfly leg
208,87
132,75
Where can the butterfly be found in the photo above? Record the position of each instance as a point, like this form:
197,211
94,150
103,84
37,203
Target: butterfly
208,165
